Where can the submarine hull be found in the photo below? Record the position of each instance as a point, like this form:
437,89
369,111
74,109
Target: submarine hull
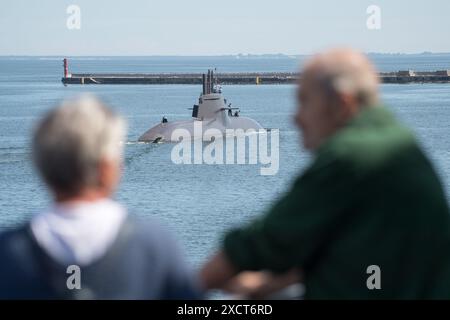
197,129
211,112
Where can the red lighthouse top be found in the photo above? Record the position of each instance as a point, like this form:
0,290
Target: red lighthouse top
66,68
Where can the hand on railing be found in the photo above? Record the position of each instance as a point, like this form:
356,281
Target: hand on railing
266,285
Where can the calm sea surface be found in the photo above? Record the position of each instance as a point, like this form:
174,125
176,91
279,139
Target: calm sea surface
198,202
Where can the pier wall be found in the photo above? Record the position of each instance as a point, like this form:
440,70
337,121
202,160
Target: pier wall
409,76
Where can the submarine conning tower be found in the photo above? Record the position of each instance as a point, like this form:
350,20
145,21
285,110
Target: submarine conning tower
212,112
209,83
211,101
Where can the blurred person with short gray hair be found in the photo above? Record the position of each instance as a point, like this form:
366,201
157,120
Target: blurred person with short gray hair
78,151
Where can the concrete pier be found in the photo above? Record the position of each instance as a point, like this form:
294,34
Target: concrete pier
409,76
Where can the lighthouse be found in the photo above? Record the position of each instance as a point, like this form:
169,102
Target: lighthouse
66,68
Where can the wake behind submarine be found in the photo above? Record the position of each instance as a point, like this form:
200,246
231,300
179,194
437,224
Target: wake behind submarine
212,111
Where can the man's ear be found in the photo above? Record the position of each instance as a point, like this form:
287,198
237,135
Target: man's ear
348,107
108,175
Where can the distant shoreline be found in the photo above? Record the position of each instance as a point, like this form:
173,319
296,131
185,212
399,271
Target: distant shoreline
236,56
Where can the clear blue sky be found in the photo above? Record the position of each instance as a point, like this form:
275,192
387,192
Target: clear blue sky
206,27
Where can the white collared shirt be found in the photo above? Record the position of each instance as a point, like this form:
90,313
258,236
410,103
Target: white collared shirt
78,233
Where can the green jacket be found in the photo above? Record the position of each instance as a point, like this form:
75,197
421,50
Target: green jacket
370,197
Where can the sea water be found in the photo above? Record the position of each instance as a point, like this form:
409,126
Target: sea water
197,202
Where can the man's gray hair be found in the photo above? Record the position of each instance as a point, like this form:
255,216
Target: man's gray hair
363,86
344,71
72,139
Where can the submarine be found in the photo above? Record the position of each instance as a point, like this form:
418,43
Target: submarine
212,112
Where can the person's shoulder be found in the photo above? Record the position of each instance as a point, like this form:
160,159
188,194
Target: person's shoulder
148,226
151,233
158,246
373,139
13,239
16,252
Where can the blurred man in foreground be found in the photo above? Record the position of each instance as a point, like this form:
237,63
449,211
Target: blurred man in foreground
367,219
86,246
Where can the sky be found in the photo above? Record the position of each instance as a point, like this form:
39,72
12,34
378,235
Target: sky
206,27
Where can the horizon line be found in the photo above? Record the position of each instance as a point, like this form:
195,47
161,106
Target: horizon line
214,55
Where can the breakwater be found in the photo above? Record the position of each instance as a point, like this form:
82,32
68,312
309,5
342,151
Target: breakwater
240,78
